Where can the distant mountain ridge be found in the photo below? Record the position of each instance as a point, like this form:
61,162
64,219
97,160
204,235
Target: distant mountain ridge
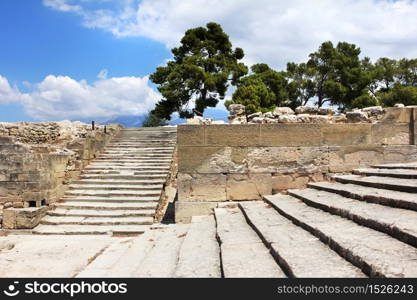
137,120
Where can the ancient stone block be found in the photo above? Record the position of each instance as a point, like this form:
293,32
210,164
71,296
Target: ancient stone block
212,159
23,218
190,135
287,159
397,115
345,159
248,186
288,135
282,182
390,134
201,187
400,153
185,210
346,134
232,135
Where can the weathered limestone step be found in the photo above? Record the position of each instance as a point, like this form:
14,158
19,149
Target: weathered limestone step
135,168
89,229
105,198
133,160
397,173
397,222
114,213
116,260
122,177
162,260
395,184
102,221
117,181
131,164
99,205
137,187
199,255
138,156
111,193
125,172
412,166
242,251
376,253
298,252
369,194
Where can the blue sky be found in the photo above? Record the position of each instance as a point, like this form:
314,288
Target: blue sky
52,51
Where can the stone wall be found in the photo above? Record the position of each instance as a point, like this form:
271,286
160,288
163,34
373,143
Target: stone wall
37,160
219,163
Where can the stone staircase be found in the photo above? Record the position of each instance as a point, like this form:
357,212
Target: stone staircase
356,226
119,191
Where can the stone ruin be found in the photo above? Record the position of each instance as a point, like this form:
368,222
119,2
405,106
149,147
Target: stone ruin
306,114
36,159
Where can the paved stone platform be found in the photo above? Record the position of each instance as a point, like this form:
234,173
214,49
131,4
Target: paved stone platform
331,229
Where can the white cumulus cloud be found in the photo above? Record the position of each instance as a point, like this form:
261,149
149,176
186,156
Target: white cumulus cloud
62,97
271,31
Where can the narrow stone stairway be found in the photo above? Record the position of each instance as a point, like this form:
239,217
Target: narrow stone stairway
119,191
357,226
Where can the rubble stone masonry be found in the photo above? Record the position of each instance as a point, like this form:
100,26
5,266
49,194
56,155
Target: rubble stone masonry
37,159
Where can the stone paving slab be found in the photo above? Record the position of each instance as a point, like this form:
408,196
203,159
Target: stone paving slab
397,173
105,221
376,253
411,165
397,222
162,260
199,256
395,184
48,256
370,194
242,251
89,229
102,213
299,252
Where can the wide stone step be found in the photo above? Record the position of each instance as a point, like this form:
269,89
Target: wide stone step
137,187
139,156
375,253
298,252
369,194
116,260
396,173
412,166
100,182
199,256
117,193
132,161
242,252
397,222
162,260
100,206
109,198
395,184
89,229
127,172
102,221
132,177
114,213
134,168
129,166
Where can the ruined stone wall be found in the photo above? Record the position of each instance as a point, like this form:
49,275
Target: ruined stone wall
243,162
37,160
